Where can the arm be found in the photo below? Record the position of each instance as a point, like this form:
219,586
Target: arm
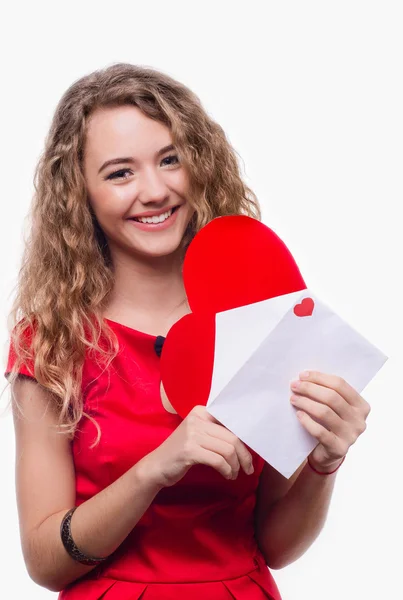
286,531
335,414
45,485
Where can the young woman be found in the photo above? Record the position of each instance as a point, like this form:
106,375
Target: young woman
118,497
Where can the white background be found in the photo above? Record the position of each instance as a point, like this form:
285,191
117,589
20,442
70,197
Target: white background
310,96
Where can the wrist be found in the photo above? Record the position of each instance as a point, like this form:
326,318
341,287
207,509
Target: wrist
327,468
146,476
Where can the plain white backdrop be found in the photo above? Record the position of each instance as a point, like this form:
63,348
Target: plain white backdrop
310,95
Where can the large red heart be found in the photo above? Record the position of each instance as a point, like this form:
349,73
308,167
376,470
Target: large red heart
233,261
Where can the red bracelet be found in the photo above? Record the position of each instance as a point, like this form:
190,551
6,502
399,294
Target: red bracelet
322,472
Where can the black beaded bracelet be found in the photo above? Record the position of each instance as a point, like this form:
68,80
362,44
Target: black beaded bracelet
68,542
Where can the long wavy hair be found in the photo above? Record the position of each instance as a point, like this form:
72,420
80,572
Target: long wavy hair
66,275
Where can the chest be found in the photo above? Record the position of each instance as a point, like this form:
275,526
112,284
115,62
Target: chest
125,402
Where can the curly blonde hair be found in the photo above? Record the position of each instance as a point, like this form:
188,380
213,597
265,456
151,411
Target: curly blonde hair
66,275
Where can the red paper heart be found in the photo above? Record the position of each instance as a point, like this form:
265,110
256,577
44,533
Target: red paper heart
187,362
233,261
305,308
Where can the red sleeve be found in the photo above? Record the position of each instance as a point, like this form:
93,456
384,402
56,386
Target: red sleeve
26,368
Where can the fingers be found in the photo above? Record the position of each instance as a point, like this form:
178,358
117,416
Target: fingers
230,446
322,413
201,411
234,453
216,461
336,385
219,439
334,445
327,397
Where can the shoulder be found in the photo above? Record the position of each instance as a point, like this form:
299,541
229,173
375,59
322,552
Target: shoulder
21,349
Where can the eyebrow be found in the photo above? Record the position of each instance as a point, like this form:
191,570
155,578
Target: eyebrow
129,159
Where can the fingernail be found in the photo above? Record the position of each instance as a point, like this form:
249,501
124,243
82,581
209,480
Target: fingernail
304,374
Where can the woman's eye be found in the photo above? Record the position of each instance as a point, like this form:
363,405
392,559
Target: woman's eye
118,174
172,156
122,173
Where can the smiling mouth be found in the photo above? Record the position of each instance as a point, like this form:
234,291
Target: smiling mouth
156,219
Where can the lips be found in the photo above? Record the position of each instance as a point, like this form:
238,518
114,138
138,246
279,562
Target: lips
154,225
150,214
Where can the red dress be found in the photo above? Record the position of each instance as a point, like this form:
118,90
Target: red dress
196,540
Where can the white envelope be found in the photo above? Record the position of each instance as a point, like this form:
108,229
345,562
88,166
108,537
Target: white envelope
260,348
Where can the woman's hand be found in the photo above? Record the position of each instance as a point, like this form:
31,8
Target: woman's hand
331,411
199,439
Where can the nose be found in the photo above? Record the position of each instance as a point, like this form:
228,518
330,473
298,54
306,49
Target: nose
153,188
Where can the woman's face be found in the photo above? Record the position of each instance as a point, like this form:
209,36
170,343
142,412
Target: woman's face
145,180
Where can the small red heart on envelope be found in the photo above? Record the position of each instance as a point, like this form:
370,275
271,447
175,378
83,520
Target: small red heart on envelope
233,261
305,308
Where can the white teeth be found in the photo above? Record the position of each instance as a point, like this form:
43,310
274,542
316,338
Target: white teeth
159,219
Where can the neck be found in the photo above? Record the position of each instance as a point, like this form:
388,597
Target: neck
146,289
